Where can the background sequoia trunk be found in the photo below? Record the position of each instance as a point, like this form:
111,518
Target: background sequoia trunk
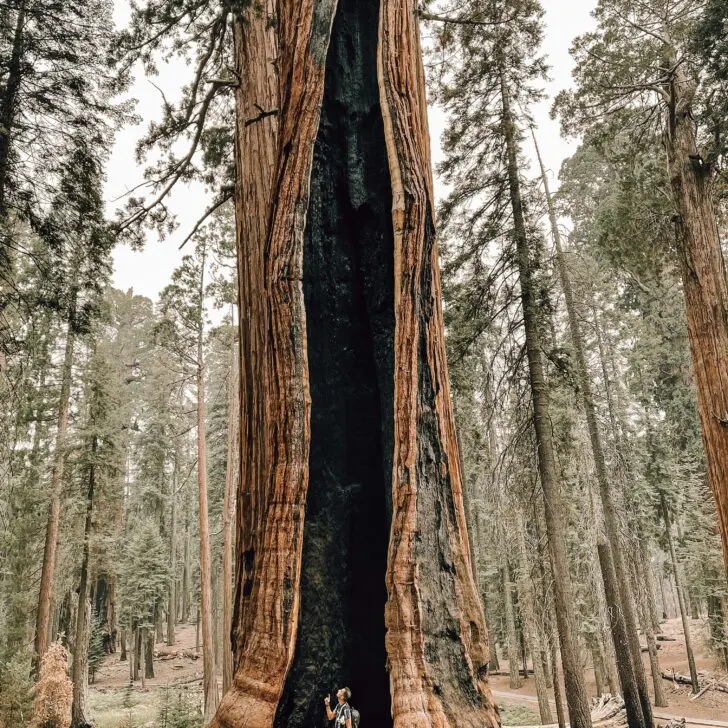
345,406
704,285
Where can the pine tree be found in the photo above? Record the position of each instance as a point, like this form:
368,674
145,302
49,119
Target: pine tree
55,81
76,233
619,595
493,82
182,330
635,69
99,464
56,87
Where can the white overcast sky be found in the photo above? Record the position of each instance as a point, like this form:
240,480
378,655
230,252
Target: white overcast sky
148,271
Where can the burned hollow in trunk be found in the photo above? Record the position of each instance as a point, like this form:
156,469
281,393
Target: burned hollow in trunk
348,279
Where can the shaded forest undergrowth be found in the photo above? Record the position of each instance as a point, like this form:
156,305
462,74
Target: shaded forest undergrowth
178,679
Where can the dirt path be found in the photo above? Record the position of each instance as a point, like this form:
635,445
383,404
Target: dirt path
659,713
711,709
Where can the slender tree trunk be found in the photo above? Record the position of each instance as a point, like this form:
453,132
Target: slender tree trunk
718,631
8,103
555,678
635,717
229,502
622,608
148,660
704,285
659,693
378,262
599,678
79,669
665,610
158,631
122,640
209,678
694,606
513,671
141,660
492,443
674,594
172,596
527,600
186,565
134,651
576,694
680,598
648,584
45,594
197,629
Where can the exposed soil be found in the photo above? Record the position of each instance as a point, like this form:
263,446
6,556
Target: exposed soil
114,674
109,689
712,705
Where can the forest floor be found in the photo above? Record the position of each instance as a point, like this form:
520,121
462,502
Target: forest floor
114,704
711,706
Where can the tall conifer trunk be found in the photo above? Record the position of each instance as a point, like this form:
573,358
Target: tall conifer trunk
172,593
511,633
79,670
680,593
576,695
8,103
229,502
352,549
704,284
45,594
610,557
209,679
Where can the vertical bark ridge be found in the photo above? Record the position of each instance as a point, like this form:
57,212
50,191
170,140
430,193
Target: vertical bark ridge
436,637
705,288
275,401
256,46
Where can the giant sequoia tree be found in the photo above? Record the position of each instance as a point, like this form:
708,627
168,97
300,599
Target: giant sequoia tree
353,563
635,68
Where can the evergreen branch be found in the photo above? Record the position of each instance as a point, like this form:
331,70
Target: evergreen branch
216,26
180,168
165,29
641,28
226,195
464,21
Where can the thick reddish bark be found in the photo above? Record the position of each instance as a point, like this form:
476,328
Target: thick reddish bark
704,286
436,638
345,407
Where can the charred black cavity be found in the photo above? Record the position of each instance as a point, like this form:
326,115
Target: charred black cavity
348,284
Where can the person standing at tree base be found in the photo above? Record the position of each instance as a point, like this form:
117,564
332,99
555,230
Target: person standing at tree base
342,714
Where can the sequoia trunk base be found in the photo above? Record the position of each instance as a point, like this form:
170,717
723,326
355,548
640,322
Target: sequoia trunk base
353,559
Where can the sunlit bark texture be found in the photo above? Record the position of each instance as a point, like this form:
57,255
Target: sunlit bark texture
353,566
